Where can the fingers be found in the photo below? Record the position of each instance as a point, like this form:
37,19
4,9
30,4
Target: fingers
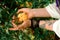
24,25
13,17
16,28
13,24
23,10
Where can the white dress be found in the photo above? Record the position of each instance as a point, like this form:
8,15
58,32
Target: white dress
55,13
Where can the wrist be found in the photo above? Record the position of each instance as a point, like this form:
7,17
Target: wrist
32,13
47,24
39,12
35,11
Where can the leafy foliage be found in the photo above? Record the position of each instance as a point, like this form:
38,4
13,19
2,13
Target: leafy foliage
8,8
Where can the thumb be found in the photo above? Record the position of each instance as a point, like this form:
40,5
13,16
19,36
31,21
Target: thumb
21,10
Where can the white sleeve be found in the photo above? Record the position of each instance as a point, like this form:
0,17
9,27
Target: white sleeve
56,28
53,10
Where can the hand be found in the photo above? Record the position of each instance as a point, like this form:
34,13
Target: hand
24,25
28,11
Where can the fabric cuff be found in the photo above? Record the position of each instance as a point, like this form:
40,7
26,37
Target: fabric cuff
53,11
56,28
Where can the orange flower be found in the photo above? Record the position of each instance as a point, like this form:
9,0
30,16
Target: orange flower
22,17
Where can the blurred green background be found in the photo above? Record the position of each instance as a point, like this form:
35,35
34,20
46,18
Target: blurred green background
9,7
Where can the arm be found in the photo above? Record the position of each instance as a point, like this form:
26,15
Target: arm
50,11
40,12
51,25
47,24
